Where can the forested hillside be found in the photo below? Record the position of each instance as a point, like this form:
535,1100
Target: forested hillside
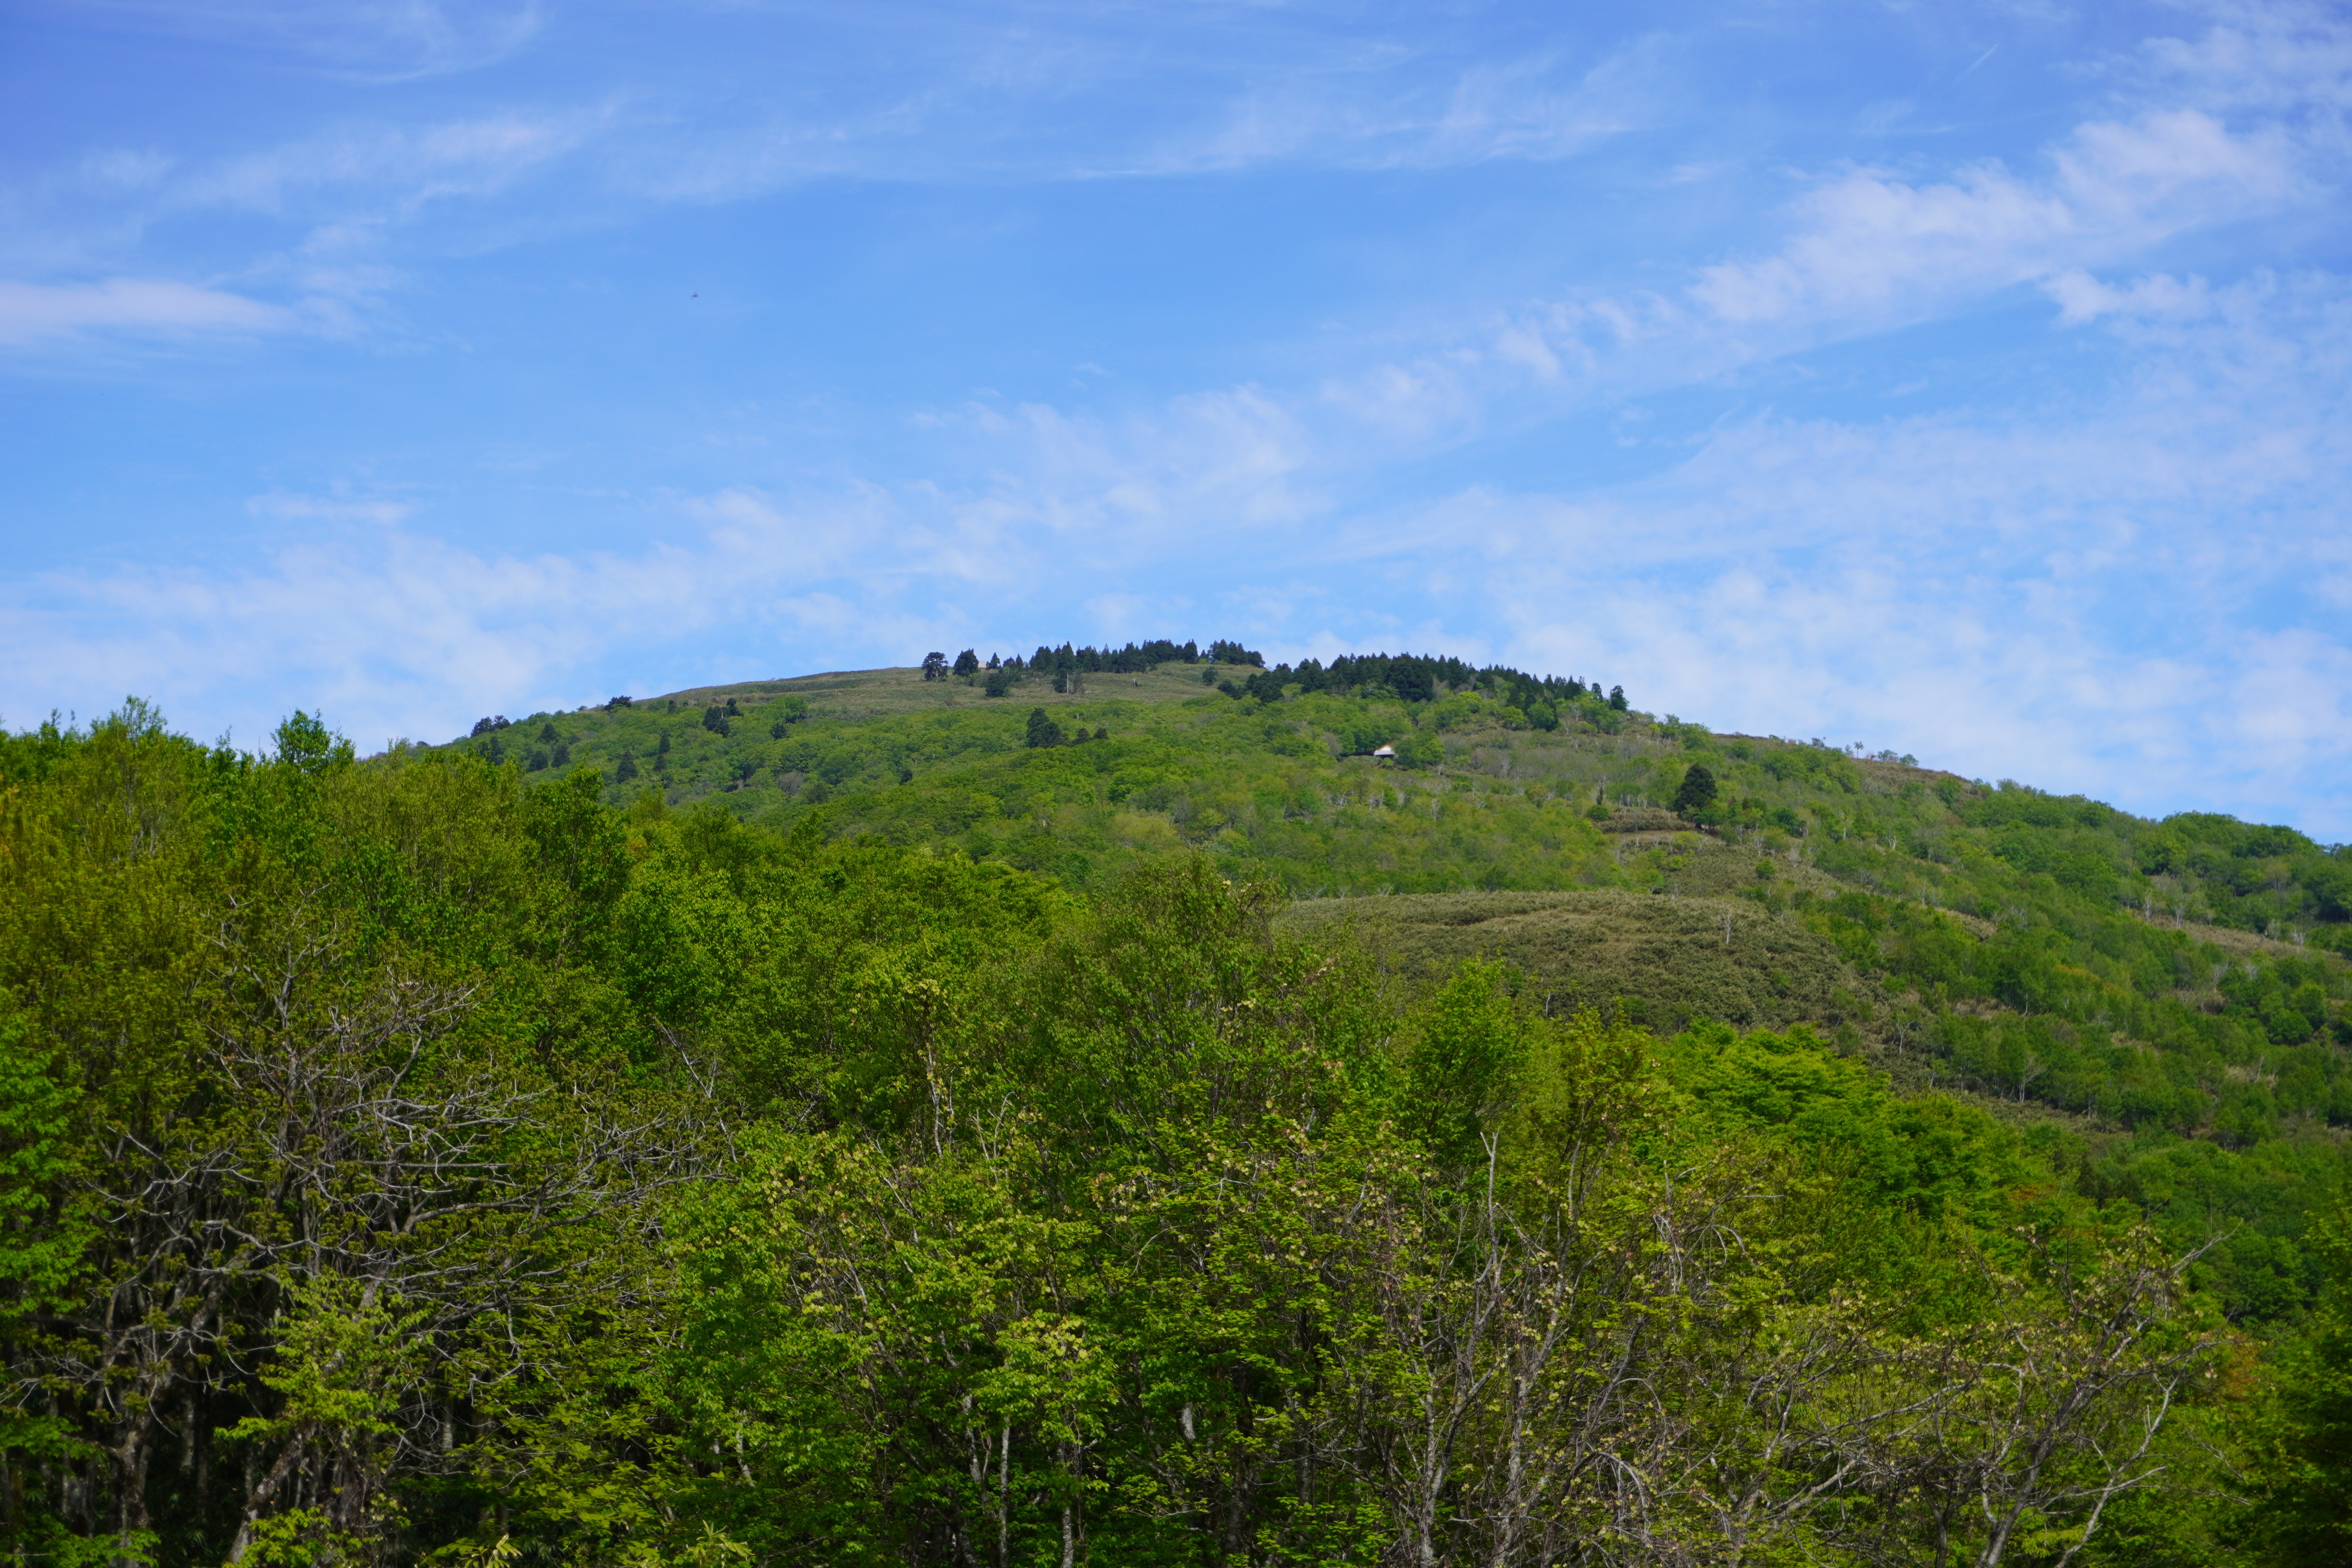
1093,1110
2181,975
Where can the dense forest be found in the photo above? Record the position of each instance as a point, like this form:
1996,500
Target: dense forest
1141,1106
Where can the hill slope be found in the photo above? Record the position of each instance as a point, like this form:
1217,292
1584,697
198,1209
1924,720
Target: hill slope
840,1162
2165,980
1666,962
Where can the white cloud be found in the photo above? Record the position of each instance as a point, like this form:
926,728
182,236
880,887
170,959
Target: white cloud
31,312
389,167
2272,58
1371,108
1871,248
2082,298
378,39
327,509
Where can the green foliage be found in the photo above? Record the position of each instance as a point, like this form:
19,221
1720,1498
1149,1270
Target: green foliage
1043,731
1657,961
305,743
1697,792
1420,749
2304,1449
999,1161
45,1231
1466,1047
2017,944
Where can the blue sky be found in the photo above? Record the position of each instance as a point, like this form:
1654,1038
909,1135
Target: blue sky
1969,380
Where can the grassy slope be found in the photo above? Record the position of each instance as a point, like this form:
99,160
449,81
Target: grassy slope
1669,961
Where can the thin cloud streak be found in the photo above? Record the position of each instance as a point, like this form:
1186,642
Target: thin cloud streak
31,313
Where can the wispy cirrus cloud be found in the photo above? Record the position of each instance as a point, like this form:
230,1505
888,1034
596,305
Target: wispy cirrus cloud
1861,251
1871,248
1370,109
335,204
386,167
33,312
287,507
378,40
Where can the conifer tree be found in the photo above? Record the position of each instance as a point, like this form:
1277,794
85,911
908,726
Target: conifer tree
1697,791
1043,731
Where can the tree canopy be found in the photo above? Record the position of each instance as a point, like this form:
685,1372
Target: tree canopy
424,1158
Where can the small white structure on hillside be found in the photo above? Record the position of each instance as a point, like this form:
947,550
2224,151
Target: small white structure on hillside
1384,751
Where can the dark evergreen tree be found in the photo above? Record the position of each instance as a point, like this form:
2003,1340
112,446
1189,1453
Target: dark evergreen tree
1617,698
1043,731
1697,791
967,663
935,666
